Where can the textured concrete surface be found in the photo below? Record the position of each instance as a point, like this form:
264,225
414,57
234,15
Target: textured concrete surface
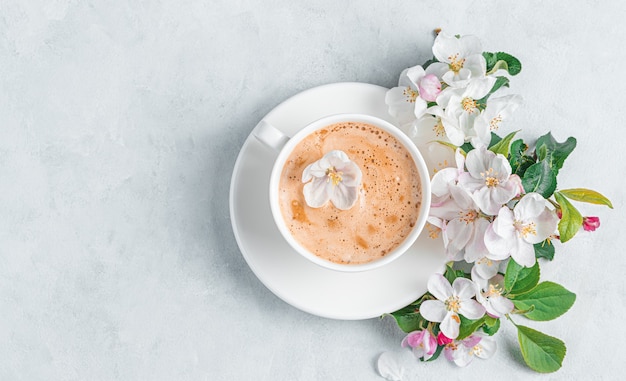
120,123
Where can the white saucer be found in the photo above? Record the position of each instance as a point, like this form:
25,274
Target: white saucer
291,277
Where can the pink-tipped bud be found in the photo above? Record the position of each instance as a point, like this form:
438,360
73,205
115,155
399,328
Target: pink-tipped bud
429,87
591,223
443,339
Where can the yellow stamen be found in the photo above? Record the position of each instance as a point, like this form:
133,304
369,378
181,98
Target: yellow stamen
494,124
456,64
453,303
433,231
334,175
528,229
469,105
490,178
493,291
410,94
468,216
438,128
477,350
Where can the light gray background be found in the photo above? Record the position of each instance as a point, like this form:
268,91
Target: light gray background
120,123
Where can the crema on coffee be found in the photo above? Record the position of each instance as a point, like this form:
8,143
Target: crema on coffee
389,197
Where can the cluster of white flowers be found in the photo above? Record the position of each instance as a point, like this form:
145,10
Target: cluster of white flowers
454,88
479,207
497,209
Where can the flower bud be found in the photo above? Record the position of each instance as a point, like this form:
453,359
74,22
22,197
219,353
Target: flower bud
591,223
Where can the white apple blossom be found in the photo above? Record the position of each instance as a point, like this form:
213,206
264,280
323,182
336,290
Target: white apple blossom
476,345
452,300
489,179
465,228
460,59
462,108
334,177
497,110
486,268
423,342
408,100
514,232
490,296
445,178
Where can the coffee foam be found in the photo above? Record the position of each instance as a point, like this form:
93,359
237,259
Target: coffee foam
389,198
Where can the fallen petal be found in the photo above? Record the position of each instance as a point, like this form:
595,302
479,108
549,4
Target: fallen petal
389,368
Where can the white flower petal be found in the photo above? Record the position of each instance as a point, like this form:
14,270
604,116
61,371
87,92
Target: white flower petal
503,224
446,46
488,347
523,253
344,197
464,288
316,192
499,247
459,234
499,306
471,309
450,325
485,268
477,88
484,199
433,310
475,248
389,368
440,183
530,206
478,161
412,76
439,286
420,107
547,223
476,64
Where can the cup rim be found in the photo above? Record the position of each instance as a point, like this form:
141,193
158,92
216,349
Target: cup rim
418,159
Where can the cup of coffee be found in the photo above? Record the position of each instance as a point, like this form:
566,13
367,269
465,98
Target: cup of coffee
349,192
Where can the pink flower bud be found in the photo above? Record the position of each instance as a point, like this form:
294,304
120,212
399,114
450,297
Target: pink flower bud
429,87
443,339
591,223
559,213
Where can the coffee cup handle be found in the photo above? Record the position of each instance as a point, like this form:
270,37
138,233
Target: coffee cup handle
270,135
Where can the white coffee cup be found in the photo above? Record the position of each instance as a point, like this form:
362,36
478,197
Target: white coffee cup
284,145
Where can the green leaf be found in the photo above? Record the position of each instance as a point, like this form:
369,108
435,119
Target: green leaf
541,352
467,147
519,279
556,153
520,160
491,60
495,139
502,147
544,249
409,319
451,274
501,60
500,82
571,219
469,326
586,195
429,62
492,325
550,300
525,163
540,178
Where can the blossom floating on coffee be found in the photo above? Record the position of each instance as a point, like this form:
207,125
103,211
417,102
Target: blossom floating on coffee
333,178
